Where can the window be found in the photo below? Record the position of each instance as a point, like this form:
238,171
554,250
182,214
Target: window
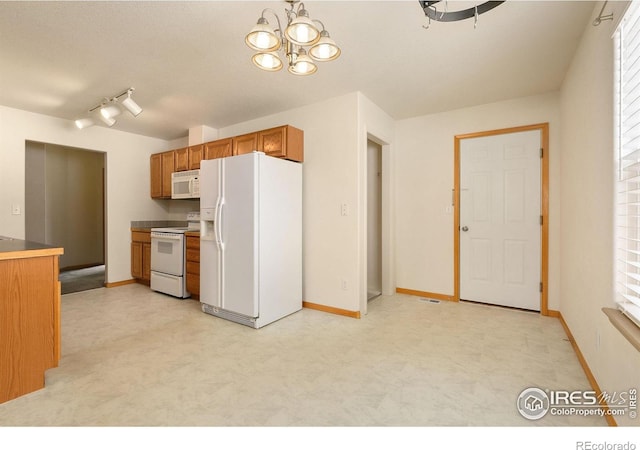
627,126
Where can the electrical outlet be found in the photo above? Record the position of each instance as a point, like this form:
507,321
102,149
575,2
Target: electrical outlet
344,209
15,210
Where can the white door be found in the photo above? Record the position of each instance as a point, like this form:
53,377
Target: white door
211,253
239,233
500,232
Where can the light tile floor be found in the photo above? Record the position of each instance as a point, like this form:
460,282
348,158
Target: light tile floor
134,357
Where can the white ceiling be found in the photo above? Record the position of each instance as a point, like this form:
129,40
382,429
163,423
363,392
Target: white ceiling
190,66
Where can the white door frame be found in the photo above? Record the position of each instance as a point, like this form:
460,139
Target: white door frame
544,203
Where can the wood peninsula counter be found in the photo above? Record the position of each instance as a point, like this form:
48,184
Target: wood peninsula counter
29,315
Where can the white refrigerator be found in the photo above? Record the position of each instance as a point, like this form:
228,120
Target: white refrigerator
251,238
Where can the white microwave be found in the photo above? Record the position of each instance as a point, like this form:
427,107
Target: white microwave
185,184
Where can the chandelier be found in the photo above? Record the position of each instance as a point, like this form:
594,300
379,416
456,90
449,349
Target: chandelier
430,10
300,44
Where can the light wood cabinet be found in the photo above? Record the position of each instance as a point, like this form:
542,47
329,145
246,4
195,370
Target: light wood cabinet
193,265
29,317
195,156
218,149
282,142
141,256
181,156
168,167
245,143
156,175
162,166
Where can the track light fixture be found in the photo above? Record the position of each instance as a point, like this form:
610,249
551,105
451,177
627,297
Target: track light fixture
108,109
300,32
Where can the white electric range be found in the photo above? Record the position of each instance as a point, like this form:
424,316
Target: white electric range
169,259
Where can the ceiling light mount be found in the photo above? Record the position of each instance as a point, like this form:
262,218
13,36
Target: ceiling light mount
109,108
301,43
430,10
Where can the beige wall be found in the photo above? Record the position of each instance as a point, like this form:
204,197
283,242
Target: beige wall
127,172
587,213
424,164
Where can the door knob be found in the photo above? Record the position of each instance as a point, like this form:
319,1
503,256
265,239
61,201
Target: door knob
465,228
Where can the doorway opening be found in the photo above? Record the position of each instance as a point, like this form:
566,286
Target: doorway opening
374,220
503,257
65,207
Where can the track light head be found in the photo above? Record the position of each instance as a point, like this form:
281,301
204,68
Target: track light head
84,123
131,105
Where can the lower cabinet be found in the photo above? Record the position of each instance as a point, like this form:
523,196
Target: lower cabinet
141,256
193,265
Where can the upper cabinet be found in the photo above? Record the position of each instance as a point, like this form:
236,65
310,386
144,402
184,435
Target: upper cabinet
195,156
218,149
162,166
245,143
156,175
181,158
282,142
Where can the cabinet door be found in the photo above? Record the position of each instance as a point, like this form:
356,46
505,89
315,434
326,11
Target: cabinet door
282,142
273,141
195,156
218,149
146,261
245,143
136,259
168,167
181,159
156,175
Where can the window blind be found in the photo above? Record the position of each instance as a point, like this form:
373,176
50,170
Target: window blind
627,125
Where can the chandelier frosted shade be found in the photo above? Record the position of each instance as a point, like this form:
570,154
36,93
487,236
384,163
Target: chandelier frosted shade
267,61
262,37
301,30
325,49
303,65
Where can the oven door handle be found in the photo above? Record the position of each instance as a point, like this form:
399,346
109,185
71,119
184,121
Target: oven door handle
166,237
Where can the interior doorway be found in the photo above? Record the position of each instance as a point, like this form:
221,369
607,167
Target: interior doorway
65,207
374,219
501,217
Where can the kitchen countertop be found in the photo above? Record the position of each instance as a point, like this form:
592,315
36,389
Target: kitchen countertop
17,248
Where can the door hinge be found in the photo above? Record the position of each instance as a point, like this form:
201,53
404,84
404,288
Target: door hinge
541,220
541,286
541,152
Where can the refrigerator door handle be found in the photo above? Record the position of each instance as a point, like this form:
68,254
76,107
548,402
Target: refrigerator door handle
219,224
